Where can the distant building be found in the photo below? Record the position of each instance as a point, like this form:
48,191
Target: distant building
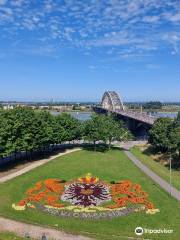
8,107
44,107
62,108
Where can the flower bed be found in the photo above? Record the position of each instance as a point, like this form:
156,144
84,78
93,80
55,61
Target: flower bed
87,197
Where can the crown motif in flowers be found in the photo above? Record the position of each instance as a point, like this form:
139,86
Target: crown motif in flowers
88,179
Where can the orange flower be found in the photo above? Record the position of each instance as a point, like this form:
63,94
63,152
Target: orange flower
112,206
37,187
133,192
22,202
54,185
149,205
122,193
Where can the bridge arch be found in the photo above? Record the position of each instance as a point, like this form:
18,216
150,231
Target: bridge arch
112,101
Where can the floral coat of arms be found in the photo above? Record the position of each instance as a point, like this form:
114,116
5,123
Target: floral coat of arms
87,197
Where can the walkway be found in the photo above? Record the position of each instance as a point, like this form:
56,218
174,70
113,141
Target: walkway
36,232
34,165
165,185
129,144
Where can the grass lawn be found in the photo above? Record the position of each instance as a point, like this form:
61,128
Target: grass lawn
110,165
9,236
157,167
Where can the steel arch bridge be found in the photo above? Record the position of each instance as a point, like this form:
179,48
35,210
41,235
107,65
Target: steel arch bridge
137,122
112,101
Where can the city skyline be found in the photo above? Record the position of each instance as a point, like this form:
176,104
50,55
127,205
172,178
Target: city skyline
76,50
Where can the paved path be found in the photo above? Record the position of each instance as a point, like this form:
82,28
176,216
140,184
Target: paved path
165,185
34,165
129,144
36,232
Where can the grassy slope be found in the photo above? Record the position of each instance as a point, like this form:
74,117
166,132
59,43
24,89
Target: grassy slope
9,236
112,165
157,167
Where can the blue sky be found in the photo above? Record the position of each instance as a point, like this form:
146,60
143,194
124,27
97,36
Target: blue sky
74,50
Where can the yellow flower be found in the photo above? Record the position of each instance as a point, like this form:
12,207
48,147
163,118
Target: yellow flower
152,211
18,208
88,179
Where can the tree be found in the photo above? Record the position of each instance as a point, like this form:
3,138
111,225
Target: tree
159,134
178,118
59,134
15,129
114,130
174,137
153,105
71,126
5,133
23,129
105,128
47,123
93,129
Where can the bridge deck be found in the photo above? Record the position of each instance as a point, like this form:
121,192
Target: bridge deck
142,117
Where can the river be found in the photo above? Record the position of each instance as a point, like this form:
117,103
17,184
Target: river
164,114
83,116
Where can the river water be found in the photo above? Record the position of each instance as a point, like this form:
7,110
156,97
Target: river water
165,114
83,116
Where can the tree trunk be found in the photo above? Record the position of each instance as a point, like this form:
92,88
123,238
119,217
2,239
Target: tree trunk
26,155
15,156
109,145
30,155
94,145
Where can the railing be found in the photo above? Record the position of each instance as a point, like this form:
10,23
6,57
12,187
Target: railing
144,117
139,116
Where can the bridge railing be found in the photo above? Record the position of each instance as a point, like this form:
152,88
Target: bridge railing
138,115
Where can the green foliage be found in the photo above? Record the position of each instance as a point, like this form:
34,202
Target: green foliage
159,134
175,134
178,117
174,138
23,129
105,128
153,105
93,128
114,130
165,135
71,127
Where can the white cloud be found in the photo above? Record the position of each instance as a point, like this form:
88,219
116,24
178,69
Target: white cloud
43,51
173,39
2,2
151,19
17,3
92,67
175,17
139,25
153,66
